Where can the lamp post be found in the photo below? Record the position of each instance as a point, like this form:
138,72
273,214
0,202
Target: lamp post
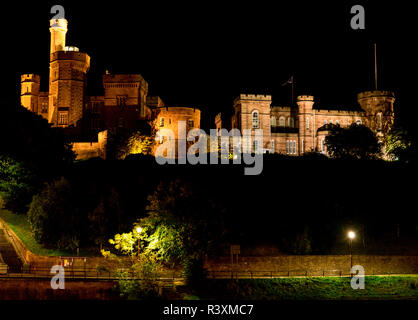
138,230
351,236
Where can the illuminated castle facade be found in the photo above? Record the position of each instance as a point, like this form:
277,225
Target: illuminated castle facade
292,130
125,103
295,130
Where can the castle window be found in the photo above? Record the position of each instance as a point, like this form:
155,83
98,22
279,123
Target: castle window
272,146
161,122
358,121
303,146
273,121
169,120
325,122
307,122
337,122
190,123
282,121
95,107
256,119
323,145
291,147
291,122
44,107
330,122
63,118
121,101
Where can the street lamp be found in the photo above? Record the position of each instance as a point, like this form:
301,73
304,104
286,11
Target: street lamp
351,236
138,230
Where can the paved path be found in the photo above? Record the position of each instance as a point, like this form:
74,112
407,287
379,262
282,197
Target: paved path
8,253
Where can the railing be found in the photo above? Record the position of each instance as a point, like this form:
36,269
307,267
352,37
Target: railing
88,274
15,242
282,274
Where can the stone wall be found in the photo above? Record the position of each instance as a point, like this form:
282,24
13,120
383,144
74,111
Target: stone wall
24,289
316,264
87,150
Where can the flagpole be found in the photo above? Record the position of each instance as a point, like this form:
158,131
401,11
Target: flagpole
375,67
293,91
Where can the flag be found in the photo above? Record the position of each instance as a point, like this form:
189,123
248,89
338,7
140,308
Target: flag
290,81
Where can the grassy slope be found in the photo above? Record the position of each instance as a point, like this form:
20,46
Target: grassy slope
20,225
328,288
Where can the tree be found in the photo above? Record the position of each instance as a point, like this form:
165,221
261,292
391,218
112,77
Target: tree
125,142
27,136
399,145
18,183
105,219
54,218
139,143
181,223
355,142
31,153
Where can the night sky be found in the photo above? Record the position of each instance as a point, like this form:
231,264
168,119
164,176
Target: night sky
204,53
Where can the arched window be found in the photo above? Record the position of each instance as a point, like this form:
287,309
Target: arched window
291,122
161,122
337,122
273,121
256,119
282,121
325,121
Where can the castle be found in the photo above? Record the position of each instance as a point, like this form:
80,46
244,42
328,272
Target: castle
125,103
291,130
295,130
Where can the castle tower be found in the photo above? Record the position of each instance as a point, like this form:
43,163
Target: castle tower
378,107
252,111
67,78
306,122
58,31
29,91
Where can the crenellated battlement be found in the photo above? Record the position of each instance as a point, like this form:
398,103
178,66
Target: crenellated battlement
375,94
305,98
30,77
70,55
262,97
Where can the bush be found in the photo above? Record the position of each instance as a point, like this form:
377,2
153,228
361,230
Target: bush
144,289
194,273
52,216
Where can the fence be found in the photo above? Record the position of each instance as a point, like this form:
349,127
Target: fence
89,274
283,274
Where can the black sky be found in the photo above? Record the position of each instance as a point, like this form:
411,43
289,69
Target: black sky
204,53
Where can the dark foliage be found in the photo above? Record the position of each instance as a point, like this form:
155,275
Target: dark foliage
31,152
354,142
